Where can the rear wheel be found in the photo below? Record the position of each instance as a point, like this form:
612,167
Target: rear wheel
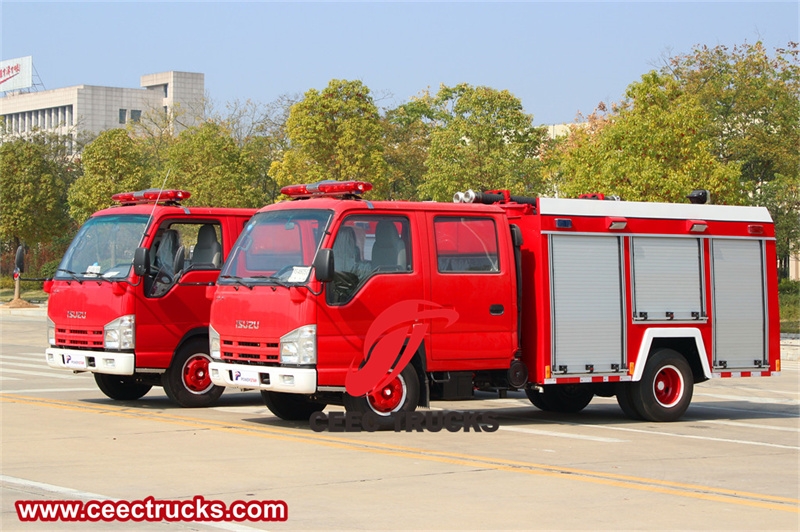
290,406
401,394
665,391
187,381
568,398
121,387
537,399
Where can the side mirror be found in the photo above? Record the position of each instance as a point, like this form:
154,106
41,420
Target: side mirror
141,261
19,260
323,265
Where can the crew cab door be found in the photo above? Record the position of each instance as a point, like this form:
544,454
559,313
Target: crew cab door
472,271
169,306
375,268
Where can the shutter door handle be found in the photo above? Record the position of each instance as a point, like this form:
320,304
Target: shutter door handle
496,310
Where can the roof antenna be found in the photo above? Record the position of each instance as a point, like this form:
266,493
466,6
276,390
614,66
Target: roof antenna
150,218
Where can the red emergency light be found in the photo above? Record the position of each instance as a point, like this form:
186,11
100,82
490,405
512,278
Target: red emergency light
327,188
151,195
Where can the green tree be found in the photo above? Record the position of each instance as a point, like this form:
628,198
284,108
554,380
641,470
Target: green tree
407,144
112,163
334,134
657,145
481,139
206,161
32,196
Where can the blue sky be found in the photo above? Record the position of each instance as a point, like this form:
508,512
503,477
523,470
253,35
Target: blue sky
558,58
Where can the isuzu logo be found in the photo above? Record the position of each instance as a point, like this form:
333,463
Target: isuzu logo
76,314
245,324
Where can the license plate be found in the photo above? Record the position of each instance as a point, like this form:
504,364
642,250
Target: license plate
75,361
245,378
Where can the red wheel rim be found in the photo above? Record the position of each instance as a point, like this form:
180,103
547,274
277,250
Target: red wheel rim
389,398
195,374
668,386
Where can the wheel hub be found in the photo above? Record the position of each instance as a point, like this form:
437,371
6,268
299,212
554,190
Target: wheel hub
668,386
195,374
389,398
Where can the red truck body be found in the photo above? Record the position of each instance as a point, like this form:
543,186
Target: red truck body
135,331
562,298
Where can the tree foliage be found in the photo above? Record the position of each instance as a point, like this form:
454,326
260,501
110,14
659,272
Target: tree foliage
334,134
655,146
113,163
206,161
480,138
32,199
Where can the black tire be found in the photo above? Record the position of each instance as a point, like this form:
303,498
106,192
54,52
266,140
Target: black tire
625,401
665,390
121,387
401,394
567,398
187,382
290,406
537,399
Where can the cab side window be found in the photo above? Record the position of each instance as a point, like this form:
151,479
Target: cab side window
180,247
466,245
365,246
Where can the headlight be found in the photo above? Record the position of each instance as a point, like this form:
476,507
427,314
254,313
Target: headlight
213,343
51,332
120,333
300,346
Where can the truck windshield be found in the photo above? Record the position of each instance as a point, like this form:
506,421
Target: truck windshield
103,248
276,247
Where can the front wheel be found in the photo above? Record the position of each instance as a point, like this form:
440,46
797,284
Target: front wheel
290,406
187,381
401,394
665,391
121,387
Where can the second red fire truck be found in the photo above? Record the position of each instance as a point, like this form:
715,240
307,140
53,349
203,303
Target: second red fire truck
383,306
128,301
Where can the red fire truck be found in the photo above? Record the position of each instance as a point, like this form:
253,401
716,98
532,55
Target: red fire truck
128,301
383,306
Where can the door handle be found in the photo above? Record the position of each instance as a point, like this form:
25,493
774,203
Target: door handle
496,310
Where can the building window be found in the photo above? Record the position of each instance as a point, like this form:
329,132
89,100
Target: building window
123,113
136,115
166,90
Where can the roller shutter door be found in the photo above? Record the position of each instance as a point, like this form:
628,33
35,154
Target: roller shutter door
586,299
739,308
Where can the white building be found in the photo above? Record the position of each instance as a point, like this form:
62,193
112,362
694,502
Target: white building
93,109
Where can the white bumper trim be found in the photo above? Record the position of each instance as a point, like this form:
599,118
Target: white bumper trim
280,379
110,362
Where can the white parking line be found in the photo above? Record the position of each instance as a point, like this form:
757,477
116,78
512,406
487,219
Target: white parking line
747,425
751,399
4,370
689,436
561,434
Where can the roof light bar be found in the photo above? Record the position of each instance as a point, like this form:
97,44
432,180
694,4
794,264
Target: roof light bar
327,188
151,195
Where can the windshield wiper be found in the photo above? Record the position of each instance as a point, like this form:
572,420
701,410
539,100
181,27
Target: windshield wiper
273,280
72,274
237,280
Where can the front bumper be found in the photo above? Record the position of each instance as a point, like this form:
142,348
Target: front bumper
110,362
271,378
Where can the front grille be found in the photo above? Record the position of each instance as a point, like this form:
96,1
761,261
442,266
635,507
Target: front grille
249,351
86,338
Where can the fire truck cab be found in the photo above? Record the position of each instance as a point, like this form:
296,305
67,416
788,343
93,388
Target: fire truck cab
383,306
128,301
